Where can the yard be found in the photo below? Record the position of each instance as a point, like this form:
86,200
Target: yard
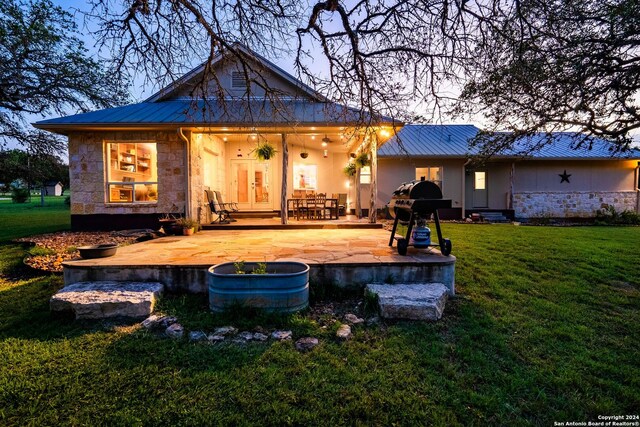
545,328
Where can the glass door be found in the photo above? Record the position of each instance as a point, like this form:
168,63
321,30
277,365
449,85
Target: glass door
251,184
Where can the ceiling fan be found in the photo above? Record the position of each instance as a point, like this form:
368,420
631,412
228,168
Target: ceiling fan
326,140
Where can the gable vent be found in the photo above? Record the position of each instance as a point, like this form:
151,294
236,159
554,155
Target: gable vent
238,80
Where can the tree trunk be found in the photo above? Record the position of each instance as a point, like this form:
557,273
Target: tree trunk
358,201
373,197
284,212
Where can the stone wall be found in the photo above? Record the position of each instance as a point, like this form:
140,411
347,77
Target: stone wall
570,204
88,175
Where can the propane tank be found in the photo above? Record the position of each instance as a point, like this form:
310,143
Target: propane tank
421,235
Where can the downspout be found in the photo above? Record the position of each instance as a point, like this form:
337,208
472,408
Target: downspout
464,186
187,163
636,185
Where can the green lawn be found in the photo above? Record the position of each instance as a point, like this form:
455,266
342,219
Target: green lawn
24,219
545,328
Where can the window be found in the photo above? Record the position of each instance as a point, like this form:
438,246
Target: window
479,180
430,173
238,80
365,175
132,175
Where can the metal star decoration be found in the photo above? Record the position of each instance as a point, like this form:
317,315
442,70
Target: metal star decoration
564,177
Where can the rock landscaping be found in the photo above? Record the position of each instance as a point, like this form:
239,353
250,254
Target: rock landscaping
55,248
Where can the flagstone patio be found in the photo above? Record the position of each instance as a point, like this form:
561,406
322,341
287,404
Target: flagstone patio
345,257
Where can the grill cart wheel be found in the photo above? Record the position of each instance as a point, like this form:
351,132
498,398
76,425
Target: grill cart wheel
403,244
446,247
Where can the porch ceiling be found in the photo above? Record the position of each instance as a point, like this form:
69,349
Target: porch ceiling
338,142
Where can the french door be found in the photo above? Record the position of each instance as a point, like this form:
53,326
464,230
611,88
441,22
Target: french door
251,182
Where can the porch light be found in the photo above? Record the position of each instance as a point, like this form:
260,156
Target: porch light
224,138
239,153
324,144
313,137
347,184
325,153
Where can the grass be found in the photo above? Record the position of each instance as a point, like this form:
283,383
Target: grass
545,328
24,219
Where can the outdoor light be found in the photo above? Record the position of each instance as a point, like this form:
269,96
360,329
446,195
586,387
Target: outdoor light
239,153
313,137
325,153
384,133
324,144
347,184
224,139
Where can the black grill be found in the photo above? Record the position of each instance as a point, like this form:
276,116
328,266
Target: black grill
417,201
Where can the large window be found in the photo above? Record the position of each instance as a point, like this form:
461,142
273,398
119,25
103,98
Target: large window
132,175
430,173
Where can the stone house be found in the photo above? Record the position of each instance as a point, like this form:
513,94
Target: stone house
131,165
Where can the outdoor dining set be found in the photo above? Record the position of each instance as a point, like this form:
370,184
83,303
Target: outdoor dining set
317,206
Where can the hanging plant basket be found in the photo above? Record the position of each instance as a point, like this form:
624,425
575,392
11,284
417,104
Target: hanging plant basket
304,154
362,160
264,151
350,169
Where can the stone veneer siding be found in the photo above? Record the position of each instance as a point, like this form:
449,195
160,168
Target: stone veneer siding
88,176
579,204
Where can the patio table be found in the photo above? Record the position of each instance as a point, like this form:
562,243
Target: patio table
296,205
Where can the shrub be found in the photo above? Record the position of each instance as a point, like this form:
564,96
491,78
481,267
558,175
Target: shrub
19,194
67,200
609,215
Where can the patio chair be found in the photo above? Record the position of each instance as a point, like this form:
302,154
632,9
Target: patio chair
222,215
229,207
317,206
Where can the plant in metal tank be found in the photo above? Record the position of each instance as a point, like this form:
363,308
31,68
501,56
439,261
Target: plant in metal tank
239,267
261,268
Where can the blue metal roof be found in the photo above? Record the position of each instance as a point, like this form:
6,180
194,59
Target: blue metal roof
430,141
185,112
453,141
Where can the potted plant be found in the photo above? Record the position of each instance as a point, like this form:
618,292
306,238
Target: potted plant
264,151
279,286
167,223
188,225
350,169
362,160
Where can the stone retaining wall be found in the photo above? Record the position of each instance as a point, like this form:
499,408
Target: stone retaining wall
570,204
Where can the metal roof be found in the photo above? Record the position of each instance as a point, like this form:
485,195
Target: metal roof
186,112
430,141
453,141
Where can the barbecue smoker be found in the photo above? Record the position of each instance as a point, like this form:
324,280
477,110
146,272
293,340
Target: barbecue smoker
413,203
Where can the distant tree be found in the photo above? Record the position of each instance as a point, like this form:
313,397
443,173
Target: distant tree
45,69
528,65
35,169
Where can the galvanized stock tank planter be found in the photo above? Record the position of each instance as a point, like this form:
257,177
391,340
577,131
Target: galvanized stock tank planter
283,288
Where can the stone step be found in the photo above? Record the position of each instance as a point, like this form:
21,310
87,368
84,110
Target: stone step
101,300
413,301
